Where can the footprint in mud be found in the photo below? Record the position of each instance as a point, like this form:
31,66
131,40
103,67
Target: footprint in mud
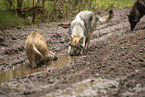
89,87
16,50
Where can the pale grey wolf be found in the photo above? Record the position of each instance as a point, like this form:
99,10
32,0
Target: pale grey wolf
81,30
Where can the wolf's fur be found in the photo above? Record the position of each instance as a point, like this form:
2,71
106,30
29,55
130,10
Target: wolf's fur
81,30
106,18
137,12
37,49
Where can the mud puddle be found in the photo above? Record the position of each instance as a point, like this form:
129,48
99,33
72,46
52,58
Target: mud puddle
88,87
24,69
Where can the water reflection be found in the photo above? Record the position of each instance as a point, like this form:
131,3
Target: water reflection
24,69
63,60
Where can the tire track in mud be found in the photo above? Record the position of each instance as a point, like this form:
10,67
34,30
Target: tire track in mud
110,42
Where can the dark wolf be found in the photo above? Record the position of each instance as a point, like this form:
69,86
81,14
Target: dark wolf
137,12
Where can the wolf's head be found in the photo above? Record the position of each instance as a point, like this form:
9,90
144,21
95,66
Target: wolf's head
76,46
132,21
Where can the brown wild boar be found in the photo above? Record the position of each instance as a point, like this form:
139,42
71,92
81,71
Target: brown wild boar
37,49
138,11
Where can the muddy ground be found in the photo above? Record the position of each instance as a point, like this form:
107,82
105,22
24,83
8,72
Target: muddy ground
114,65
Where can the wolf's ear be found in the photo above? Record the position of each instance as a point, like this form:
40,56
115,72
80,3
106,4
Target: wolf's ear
81,40
128,16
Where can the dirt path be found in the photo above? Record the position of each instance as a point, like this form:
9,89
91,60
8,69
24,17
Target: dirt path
116,59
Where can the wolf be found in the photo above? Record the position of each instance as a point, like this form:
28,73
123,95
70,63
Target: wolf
81,30
137,12
37,50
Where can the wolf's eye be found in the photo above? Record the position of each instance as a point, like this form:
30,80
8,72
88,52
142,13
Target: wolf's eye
69,44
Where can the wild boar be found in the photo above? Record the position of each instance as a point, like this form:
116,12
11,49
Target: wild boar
37,49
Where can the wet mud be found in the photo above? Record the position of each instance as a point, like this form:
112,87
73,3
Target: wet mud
114,65
24,69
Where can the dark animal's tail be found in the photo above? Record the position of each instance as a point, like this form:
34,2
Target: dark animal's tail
111,11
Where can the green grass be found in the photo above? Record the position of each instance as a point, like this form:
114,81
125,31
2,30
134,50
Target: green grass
112,4
53,9
8,19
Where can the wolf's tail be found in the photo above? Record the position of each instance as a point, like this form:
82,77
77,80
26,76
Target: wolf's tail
36,51
97,17
106,18
111,11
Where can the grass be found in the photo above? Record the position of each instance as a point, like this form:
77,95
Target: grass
113,4
55,10
9,19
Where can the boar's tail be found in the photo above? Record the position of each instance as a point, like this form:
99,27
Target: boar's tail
36,51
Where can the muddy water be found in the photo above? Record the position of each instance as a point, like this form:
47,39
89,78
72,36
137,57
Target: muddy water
89,87
24,69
